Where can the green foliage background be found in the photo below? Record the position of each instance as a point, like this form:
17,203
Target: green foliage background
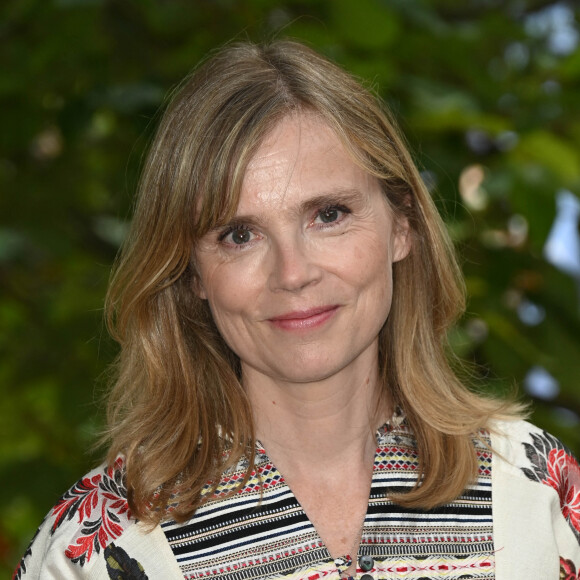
483,91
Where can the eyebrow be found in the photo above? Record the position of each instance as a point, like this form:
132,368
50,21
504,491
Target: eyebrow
338,196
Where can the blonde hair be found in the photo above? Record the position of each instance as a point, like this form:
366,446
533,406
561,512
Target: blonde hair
178,412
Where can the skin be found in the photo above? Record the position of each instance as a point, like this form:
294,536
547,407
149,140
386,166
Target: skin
300,284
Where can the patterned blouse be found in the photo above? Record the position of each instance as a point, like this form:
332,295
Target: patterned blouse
519,520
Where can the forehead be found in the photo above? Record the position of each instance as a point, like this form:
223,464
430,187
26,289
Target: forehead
299,158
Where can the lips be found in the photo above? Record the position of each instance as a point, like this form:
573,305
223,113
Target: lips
304,319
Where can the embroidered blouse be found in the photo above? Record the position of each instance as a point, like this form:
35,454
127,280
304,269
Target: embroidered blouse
519,520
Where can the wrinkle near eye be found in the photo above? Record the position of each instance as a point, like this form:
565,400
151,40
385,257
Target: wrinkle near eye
323,239
333,212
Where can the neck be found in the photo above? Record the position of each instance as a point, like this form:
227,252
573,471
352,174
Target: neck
329,422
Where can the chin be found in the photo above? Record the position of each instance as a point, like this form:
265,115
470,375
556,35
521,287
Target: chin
304,373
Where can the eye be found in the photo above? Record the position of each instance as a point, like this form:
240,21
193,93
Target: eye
237,235
331,214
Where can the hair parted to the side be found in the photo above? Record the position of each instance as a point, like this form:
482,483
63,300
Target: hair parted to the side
178,412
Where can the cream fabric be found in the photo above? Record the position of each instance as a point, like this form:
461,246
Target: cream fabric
536,517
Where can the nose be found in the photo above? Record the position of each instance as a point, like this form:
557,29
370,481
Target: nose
293,266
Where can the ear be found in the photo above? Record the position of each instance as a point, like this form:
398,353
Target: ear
402,239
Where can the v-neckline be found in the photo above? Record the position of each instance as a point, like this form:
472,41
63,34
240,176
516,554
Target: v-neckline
264,532
345,561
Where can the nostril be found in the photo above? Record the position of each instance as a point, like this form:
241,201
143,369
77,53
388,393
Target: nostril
293,269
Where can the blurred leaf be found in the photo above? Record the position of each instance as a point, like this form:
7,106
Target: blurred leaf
549,150
80,90
366,23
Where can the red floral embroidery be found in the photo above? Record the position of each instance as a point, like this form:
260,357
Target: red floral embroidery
100,504
554,465
565,479
21,569
568,570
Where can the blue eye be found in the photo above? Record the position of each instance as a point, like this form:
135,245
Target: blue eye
237,235
328,215
241,236
332,213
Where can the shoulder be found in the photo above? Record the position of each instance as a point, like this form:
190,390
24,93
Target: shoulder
536,491
537,456
534,453
82,525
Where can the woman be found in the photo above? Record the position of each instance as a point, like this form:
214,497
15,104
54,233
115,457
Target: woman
281,304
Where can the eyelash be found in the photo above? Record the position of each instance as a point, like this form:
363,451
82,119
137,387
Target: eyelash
330,208
230,230
323,225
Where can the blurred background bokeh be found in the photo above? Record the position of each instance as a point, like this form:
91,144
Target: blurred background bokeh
487,92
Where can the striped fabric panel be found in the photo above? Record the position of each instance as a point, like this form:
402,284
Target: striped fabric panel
266,533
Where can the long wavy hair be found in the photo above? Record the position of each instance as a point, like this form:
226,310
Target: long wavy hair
177,410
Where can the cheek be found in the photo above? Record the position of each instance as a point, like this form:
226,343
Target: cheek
372,275
225,294
371,264
231,291
228,312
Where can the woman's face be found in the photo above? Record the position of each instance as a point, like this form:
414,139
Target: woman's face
299,282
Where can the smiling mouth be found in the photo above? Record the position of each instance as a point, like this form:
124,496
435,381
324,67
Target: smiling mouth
304,319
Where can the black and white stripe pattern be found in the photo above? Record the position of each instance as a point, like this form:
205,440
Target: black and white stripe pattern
265,533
